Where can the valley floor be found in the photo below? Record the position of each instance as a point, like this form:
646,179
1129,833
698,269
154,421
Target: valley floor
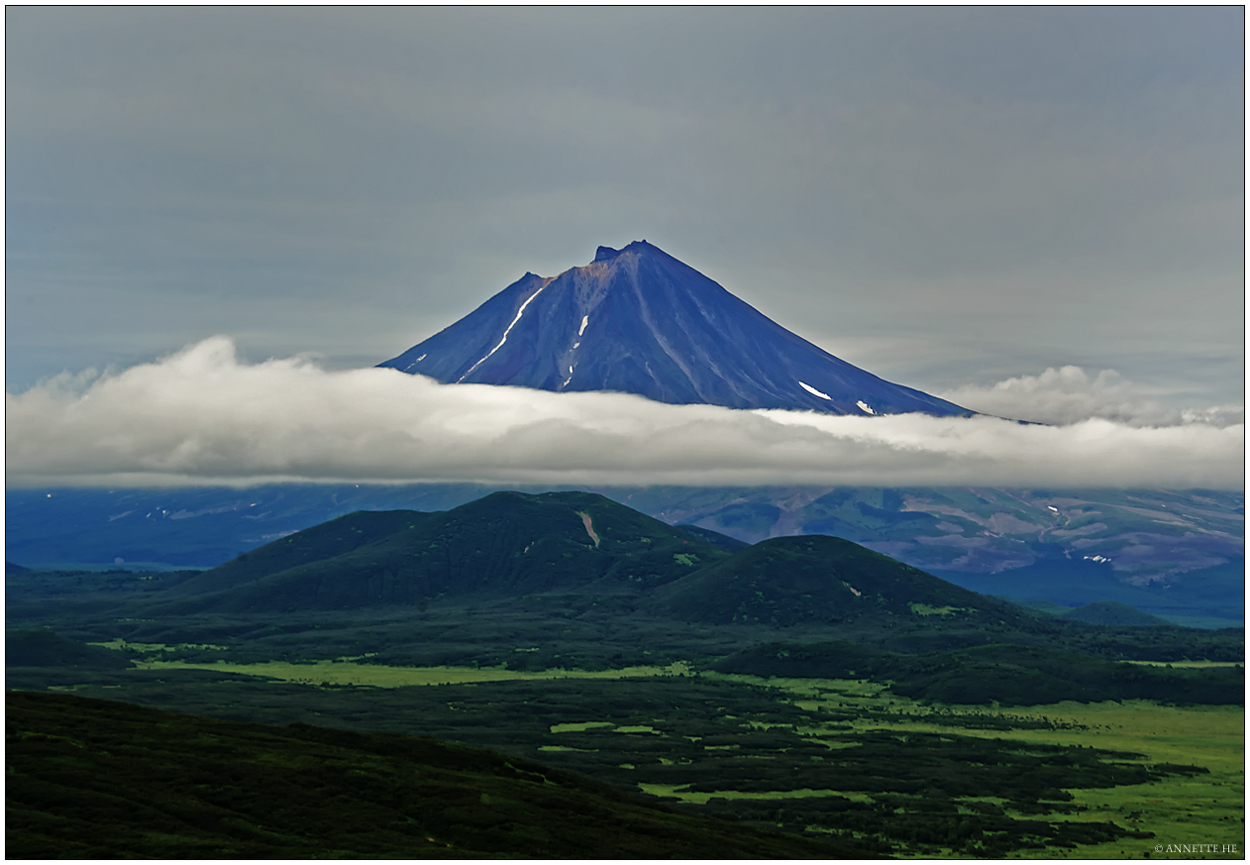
845,760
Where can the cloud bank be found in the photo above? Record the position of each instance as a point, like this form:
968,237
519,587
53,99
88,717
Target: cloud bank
203,417
1069,395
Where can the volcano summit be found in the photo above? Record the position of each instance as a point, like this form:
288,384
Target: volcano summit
637,320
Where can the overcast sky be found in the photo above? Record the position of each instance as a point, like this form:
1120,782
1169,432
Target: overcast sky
954,199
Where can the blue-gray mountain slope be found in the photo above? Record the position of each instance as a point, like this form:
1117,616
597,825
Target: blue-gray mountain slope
639,321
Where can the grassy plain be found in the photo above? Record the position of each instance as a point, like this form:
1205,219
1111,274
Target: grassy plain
347,672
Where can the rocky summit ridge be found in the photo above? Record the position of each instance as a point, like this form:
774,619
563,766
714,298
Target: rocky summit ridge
636,320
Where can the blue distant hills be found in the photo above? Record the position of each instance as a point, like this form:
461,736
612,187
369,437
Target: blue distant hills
636,320
1070,547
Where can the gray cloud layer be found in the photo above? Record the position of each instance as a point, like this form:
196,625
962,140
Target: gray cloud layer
202,416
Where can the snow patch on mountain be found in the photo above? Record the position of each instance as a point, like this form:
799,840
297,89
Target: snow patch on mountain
807,387
520,312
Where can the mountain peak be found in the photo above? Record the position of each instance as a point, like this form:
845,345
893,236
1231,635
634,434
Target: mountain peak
657,328
607,253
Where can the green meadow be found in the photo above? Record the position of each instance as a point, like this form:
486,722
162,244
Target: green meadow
346,672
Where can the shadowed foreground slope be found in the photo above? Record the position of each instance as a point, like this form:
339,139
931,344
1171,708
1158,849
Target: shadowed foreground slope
95,779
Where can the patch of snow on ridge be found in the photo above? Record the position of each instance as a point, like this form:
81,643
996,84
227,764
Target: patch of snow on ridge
581,330
807,387
519,313
863,406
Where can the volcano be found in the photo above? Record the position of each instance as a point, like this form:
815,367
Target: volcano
636,320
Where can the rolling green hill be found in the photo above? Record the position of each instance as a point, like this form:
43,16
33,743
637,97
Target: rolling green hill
568,578
515,545
95,779
816,579
503,544
568,553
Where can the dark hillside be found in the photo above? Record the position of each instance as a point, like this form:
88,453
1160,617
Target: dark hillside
43,648
817,579
714,538
327,540
93,779
506,544
1115,614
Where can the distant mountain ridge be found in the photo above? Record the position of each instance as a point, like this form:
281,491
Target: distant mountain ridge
637,320
506,544
1174,554
514,545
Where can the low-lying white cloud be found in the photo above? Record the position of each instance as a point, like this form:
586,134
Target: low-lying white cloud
202,416
1068,395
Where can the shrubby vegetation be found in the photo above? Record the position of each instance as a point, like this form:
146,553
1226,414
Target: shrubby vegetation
998,673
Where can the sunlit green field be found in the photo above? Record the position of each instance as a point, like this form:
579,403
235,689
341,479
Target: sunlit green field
346,672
